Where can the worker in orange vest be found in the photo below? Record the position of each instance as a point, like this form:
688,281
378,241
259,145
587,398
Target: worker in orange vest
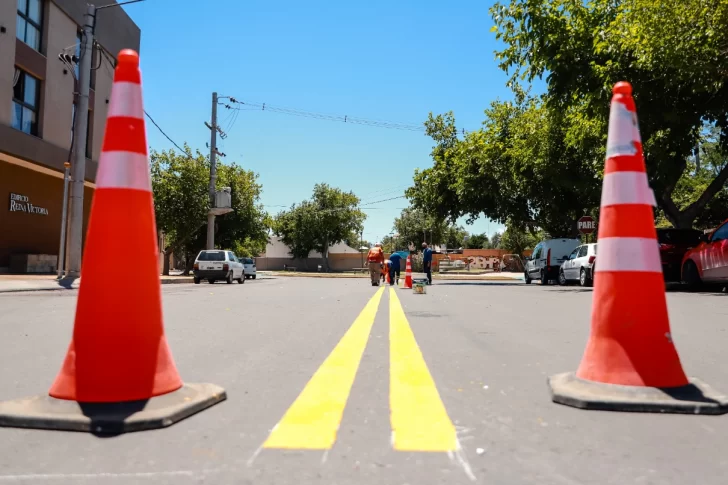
375,259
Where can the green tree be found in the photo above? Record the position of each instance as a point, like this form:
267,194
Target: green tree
477,241
520,167
673,54
245,230
181,198
416,226
330,217
181,202
495,241
518,239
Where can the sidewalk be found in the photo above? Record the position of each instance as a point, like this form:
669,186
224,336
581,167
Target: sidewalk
13,283
30,282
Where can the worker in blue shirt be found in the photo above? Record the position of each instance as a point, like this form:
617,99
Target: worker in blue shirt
427,262
395,259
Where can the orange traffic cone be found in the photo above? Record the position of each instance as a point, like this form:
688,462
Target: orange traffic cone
119,354
630,354
408,274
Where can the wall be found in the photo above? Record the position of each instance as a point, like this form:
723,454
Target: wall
25,233
58,87
8,11
337,262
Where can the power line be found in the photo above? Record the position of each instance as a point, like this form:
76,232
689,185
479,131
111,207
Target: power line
321,116
163,133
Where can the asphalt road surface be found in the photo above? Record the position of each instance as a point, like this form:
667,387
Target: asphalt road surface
334,381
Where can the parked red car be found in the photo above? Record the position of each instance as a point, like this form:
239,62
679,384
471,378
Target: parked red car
708,261
674,243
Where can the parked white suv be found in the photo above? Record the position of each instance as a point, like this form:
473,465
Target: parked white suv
546,259
579,266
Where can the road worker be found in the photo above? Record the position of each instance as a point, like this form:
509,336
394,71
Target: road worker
375,259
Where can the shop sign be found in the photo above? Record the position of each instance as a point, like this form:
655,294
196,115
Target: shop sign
21,203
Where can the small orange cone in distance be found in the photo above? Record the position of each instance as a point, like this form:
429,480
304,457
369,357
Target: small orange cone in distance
630,355
408,274
119,351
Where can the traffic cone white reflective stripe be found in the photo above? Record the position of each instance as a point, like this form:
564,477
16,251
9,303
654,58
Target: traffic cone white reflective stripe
126,101
627,188
629,254
124,164
623,131
123,170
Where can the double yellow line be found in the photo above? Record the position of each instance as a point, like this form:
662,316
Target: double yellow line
418,417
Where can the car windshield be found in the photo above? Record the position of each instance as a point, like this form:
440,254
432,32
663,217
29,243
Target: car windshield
678,236
211,256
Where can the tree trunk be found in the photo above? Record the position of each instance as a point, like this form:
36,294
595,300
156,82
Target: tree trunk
325,254
684,219
165,264
189,262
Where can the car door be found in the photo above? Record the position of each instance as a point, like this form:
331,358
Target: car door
234,265
715,262
533,263
581,260
570,263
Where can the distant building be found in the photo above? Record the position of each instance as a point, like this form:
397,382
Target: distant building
37,109
276,248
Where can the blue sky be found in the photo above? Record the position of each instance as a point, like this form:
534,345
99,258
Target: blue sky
393,61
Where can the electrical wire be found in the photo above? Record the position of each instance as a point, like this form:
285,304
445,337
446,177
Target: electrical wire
323,116
163,133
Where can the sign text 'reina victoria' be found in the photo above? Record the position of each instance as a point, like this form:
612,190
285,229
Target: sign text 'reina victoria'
21,203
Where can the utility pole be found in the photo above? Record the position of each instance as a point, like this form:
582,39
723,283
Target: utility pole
213,174
64,221
79,167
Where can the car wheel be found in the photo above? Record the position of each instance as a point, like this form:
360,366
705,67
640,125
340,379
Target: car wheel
229,279
212,282
254,276
544,277
241,280
196,280
526,278
584,279
562,277
691,275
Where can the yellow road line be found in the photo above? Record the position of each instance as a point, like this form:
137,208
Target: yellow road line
418,416
312,421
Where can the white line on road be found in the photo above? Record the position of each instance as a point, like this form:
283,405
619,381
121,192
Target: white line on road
93,476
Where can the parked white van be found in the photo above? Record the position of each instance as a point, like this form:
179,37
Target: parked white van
546,259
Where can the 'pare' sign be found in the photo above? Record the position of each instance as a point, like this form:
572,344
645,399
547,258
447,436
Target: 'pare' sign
586,225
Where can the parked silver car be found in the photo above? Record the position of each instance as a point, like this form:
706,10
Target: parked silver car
579,266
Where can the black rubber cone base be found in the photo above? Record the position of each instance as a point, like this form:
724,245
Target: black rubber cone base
45,412
694,398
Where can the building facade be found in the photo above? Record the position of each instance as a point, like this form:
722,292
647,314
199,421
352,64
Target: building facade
37,108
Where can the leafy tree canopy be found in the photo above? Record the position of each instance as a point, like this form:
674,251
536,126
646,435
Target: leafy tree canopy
673,53
329,217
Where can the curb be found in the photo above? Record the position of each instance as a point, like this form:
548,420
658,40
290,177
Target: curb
175,281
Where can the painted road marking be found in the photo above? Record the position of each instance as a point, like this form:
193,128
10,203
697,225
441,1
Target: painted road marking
312,421
418,416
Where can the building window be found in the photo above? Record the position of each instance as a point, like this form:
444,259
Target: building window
30,22
26,101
